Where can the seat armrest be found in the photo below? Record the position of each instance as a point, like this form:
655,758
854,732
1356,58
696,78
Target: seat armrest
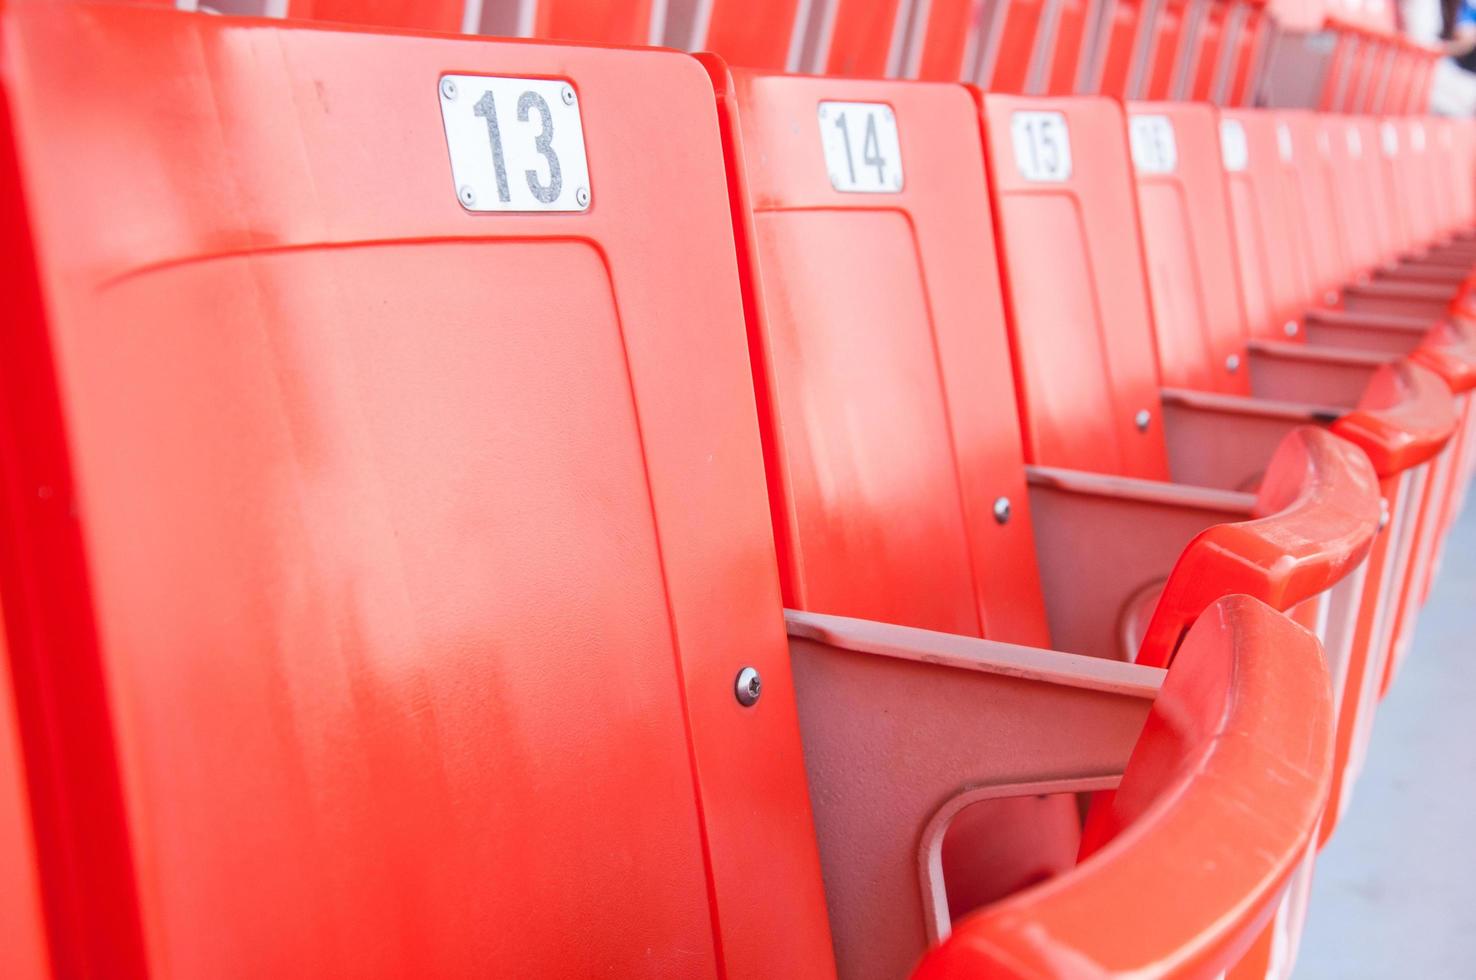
1404,419
1316,517
1219,804
1451,353
903,728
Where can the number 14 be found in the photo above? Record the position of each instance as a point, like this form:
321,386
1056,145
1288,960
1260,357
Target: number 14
870,147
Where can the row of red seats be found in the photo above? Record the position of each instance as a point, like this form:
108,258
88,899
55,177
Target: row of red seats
1205,50
393,581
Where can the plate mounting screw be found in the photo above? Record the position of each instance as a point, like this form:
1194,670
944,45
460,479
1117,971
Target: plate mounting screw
748,687
1002,510
1142,419
581,197
1232,363
467,195
567,94
448,89
1290,328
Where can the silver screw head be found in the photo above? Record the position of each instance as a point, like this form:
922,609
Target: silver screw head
467,195
1142,419
448,88
1290,328
581,197
748,687
567,94
1232,363
1002,509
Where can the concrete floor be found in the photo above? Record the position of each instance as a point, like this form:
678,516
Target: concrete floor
1395,890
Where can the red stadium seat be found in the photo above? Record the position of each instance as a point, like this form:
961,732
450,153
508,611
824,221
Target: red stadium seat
380,570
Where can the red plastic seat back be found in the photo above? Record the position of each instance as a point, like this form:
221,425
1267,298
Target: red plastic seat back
1217,808
1070,46
948,45
1188,246
1272,249
880,355
1215,39
1075,287
423,15
1124,49
1313,194
1171,37
751,33
1421,180
630,22
1353,147
865,37
395,561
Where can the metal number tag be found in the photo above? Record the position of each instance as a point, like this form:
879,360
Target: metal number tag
1233,149
1284,142
1389,136
1042,144
517,144
861,148
1417,137
1152,141
1355,143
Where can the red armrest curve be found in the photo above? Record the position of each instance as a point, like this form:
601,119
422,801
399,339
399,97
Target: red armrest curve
1219,803
1406,416
1448,352
1317,513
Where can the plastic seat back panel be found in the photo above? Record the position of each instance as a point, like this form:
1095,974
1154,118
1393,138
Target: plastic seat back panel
1076,292
883,365
422,546
755,35
848,437
1270,238
1190,255
1312,152
424,15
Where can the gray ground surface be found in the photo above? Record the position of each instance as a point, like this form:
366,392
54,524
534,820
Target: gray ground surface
1395,890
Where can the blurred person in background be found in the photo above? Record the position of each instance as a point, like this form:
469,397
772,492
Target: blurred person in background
1449,25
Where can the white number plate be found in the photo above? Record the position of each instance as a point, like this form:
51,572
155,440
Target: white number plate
1355,143
1042,144
1152,141
517,144
1284,141
862,152
1389,136
1233,148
